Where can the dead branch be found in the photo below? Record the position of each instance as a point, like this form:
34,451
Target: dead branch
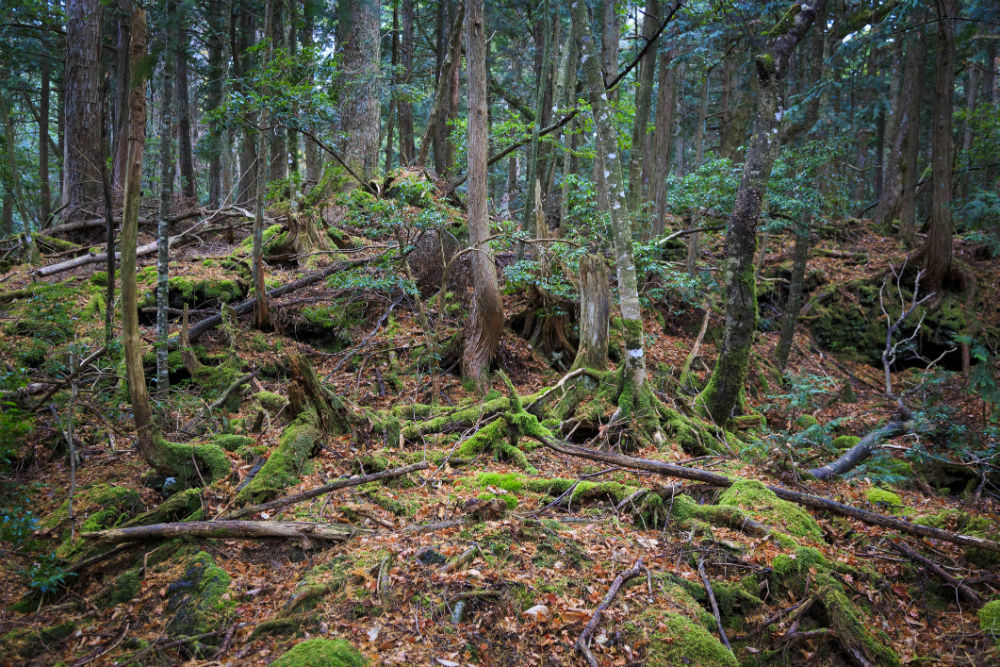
583,643
219,402
930,565
244,530
861,451
278,503
711,600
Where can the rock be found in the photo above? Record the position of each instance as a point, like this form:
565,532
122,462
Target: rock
428,556
198,602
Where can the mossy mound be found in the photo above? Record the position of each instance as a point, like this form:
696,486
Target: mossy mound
232,442
344,573
965,523
842,442
29,643
199,292
198,601
761,504
681,641
989,620
296,445
270,401
95,508
884,498
807,570
122,589
321,653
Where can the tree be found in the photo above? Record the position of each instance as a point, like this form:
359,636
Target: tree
358,33
163,218
724,395
486,316
82,101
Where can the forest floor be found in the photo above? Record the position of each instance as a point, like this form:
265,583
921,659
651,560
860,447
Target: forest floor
472,561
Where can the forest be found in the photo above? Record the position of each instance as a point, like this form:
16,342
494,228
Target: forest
465,333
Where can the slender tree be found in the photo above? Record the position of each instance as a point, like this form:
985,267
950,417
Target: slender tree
486,317
163,217
723,395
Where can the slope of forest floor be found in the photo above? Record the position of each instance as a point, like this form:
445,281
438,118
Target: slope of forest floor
475,560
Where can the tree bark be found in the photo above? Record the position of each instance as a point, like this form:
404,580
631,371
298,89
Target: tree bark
937,250
910,136
277,136
310,148
634,374
44,192
724,394
643,102
300,530
82,99
532,182
486,316
407,148
163,221
441,97
243,29
594,314
800,257
215,88
184,148
665,100
358,32
261,312
888,206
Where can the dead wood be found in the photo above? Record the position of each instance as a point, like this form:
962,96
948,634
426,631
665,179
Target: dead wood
583,643
301,530
712,602
861,451
279,503
939,571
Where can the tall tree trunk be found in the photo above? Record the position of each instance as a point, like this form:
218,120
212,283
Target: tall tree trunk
937,250
44,192
407,148
643,102
216,81
358,32
910,131
310,148
162,222
261,311
397,78
486,316
665,101
243,30
723,395
634,372
888,205
800,258
442,98
119,110
278,136
594,314
82,173
527,219
9,170
184,148
699,129
971,91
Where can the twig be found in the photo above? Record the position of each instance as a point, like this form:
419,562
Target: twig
711,600
928,564
583,643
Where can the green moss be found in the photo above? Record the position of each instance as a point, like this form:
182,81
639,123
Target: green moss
762,505
180,460
199,600
805,421
321,653
842,442
29,643
231,442
177,507
508,481
989,619
282,626
963,522
270,401
683,642
96,508
884,498
344,574
122,589
282,468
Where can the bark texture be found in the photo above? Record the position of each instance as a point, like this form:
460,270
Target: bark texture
81,167
594,314
358,32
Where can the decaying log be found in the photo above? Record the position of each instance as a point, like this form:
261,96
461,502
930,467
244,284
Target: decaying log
805,499
583,643
302,530
928,564
279,503
861,451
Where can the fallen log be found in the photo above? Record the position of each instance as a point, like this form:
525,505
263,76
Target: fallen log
861,451
226,530
279,503
247,306
804,499
969,594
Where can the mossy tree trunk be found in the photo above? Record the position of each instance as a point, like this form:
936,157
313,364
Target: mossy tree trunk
800,257
532,183
666,98
486,318
594,314
724,395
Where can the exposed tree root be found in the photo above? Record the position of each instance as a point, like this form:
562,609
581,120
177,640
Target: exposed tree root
226,530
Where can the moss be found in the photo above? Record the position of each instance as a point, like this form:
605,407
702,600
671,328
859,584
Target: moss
963,522
198,601
989,619
762,505
683,642
842,442
884,498
270,401
508,481
805,421
282,468
231,442
96,508
179,460
177,507
321,653
29,643
345,573
282,626
122,589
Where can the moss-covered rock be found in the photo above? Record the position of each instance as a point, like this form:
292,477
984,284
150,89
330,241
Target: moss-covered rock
321,653
199,600
296,445
683,642
842,442
270,401
344,573
95,508
199,292
177,507
231,442
884,498
762,505
122,588
989,619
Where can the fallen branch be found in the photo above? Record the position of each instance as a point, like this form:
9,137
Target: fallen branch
219,402
583,643
711,600
804,499
326,488
226,530
928,564
861,451
247,306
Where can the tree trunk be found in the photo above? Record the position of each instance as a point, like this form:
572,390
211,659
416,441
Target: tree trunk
119,110
358,32
216,80
643,102
184,149
310,148
486,317
82,173
242,32
888,205
911,143
261,312
971,90
723,395
394,101
442,99
665,100
634,372
407,149
541,78
699,129
162,223
594,314
610,34
141,409
800,257
9,170
937,250
278,136
44,193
